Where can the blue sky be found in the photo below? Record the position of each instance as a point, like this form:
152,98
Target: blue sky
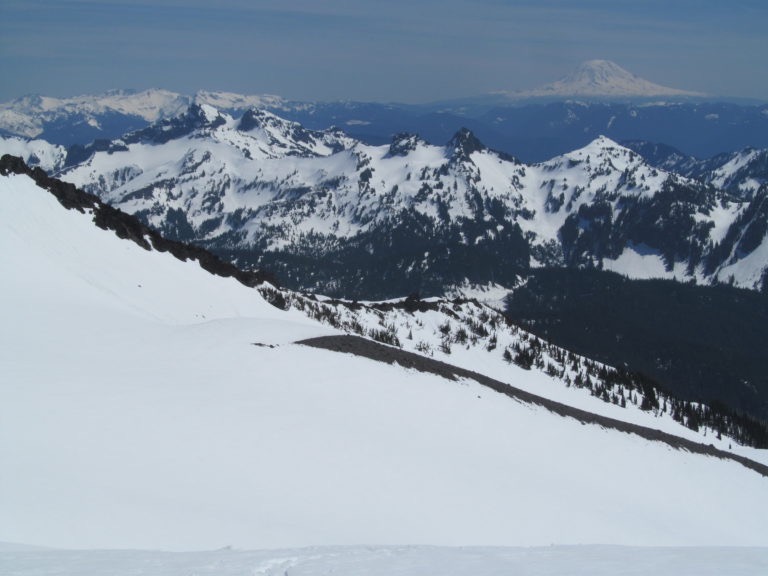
395,50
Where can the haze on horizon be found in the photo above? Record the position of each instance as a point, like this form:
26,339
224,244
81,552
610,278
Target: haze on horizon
365,50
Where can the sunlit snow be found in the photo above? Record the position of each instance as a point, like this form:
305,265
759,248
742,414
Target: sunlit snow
147,404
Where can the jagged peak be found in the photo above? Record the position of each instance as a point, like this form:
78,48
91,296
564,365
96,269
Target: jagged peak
203,115
195,117
260,118
464,143
403,143
288,134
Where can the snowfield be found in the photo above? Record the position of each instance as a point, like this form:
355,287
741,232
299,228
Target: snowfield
147,404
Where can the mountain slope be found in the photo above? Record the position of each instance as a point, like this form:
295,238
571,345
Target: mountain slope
140,388
464,331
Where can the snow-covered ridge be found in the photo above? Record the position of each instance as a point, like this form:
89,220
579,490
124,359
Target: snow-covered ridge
745,172
742,173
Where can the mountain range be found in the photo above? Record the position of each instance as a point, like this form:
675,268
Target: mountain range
599,98
200,405
315,207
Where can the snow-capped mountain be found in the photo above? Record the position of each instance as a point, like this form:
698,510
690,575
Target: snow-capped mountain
533,129
316,207
165,407
602,79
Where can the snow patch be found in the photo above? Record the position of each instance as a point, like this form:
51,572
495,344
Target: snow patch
639,262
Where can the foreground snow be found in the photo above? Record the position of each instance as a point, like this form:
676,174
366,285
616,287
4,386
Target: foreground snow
145,404
389,561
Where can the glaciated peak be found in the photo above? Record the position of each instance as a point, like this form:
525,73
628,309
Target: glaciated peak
259,118
600,73
603,78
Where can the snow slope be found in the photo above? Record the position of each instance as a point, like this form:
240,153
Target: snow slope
145,403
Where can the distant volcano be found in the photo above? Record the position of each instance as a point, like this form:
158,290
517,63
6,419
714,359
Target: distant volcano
601,78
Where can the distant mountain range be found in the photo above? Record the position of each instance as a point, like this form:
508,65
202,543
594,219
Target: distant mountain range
599,98
316,206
